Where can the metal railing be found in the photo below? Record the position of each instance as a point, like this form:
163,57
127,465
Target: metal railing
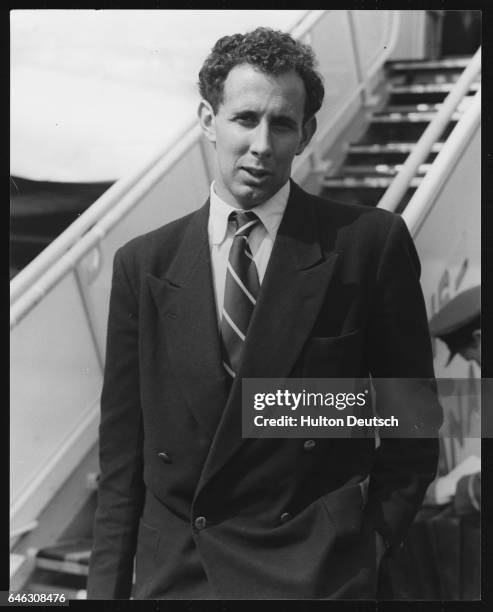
107,213
52,253
393,195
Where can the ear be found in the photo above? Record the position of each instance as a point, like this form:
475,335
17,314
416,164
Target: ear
476,334
207,120
309,128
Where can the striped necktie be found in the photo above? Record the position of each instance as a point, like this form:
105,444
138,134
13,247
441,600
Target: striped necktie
240,291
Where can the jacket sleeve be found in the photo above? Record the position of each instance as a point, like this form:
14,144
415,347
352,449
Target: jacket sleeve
121,490
400,351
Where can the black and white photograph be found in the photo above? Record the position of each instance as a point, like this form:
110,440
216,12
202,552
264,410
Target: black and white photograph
214,216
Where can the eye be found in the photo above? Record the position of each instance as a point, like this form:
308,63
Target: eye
284,124
246,119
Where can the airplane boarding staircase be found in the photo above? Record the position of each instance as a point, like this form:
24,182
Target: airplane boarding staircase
415,92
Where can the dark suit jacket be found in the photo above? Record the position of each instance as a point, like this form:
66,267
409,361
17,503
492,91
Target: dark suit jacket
340,298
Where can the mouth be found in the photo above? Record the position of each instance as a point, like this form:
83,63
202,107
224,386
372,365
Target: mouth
256,173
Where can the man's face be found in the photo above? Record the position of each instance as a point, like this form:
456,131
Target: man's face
257,131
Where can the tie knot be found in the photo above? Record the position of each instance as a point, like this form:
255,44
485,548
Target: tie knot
244,222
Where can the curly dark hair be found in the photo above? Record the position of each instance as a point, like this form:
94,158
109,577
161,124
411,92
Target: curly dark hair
272,52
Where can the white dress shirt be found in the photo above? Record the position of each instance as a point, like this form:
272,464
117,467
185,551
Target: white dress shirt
261,238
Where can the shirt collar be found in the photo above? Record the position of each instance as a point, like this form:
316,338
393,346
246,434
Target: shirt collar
269,212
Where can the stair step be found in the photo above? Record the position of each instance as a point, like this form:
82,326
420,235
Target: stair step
356,160
442,64
70,557
410,108
65,567
425,93
389,147
426,72
367,191
380,169
387,153
366,182
363,196
73,586
424,78
423,107
384,129
404,117
429,88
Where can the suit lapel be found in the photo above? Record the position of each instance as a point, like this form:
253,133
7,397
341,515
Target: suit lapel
185,298
290,299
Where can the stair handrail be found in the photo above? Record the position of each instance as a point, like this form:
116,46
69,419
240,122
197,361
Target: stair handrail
71,257
394,194
422,200
52,253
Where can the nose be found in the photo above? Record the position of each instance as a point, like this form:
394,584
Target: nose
260,144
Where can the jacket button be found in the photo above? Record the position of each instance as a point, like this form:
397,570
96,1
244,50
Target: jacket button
309,445
200,523
165,457
285,516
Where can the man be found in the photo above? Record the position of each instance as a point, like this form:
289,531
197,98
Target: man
264,280
448,549
458,325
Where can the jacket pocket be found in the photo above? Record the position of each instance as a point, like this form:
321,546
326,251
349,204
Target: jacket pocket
333,357
335,342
